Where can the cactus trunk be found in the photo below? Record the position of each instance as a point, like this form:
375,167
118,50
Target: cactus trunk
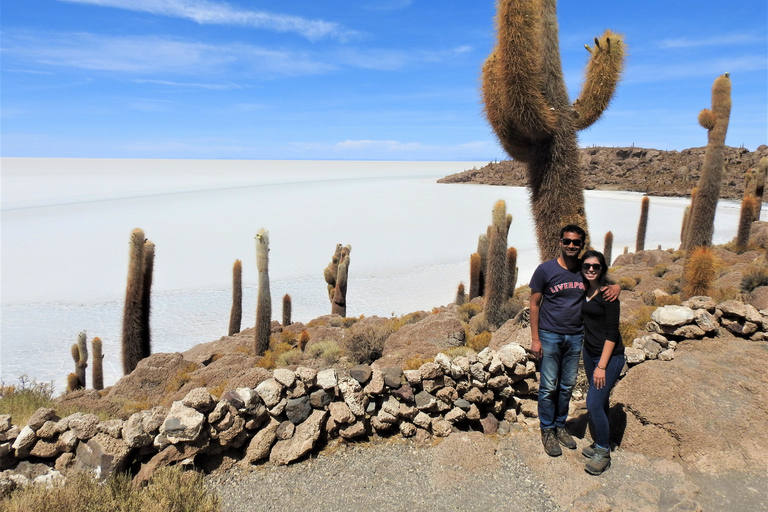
98,360
146,301
642,225
264,300
236,314
511,271
496,270
608,247
475,263
762,169
286,310
132,310
746,218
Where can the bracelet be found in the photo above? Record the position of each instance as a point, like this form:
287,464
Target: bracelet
599,368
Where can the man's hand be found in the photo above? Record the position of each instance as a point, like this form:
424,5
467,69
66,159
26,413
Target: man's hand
536,348
611,292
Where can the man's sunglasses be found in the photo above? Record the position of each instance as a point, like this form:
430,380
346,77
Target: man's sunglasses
576,242
596,266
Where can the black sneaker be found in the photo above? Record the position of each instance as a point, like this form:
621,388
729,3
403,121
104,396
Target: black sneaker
551,444
565,438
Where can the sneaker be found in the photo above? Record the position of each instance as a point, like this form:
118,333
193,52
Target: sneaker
565,438
599,462
551,444
588,451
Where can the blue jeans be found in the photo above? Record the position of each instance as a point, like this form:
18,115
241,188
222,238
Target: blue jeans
559,367
597,399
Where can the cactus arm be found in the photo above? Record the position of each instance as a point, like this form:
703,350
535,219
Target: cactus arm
514,79
602,75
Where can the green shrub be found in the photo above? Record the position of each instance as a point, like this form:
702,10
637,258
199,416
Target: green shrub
327,350
293,356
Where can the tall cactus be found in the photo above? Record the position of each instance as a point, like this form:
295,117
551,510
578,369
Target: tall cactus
642,225
336,276
82,352
608,247
527,105
496,270
98,364
475,273
264,300
702,220
746,218
511,271
236,313
146,298
482,250
132,310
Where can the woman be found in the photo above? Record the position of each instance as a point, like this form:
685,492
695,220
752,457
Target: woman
603,357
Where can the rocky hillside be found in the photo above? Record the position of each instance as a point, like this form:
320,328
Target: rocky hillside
651,171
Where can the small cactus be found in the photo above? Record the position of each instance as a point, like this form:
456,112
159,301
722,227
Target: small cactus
461,296
642,225
746,218
336,276
699,272
303,339
73,383
286,310
264,300
608,247
236,314
98,360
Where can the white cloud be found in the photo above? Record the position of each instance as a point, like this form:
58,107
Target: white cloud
390,60
682,70
155,55
720,40
207,12
214,87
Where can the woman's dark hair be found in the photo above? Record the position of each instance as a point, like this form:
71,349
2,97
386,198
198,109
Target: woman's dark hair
603,279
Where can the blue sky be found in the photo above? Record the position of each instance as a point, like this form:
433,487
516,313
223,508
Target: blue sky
346,79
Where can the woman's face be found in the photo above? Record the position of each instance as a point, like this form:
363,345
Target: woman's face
591,269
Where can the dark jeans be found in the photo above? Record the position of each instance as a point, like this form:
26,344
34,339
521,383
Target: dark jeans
559,367
597,399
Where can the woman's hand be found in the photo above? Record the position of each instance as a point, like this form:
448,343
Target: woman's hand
598,378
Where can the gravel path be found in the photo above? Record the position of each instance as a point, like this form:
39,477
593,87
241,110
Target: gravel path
464,472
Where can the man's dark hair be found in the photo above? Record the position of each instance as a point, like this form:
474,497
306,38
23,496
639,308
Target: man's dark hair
573,228
603,279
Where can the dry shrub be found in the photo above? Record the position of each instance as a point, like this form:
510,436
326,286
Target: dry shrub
699,272
627,283
271,355
333,321
170,490
293,356
327,350
415,362
468,310
659,270
23,400
460,351
480,341
726,293
288,337
677,255
753,278
410,318
365,343
668,300
183,376
635,327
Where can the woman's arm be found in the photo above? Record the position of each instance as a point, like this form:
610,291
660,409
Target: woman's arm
598,376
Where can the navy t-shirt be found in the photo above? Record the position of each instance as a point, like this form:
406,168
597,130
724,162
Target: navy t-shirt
562,292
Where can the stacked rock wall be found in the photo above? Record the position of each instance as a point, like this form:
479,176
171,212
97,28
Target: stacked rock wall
284,417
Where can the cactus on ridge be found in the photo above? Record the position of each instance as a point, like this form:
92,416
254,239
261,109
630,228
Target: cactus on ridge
236,313
98,368
642,225
496,280
475,273
461,296
286,310
264,300
132,350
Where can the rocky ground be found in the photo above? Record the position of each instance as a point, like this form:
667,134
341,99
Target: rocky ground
651,171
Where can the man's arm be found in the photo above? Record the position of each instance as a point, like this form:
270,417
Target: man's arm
611,292
535,342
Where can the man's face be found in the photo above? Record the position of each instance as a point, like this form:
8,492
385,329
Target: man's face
571,244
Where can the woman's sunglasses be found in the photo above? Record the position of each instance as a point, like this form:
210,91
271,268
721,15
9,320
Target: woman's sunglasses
576,242
595,266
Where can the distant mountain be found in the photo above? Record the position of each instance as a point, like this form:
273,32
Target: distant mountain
651,171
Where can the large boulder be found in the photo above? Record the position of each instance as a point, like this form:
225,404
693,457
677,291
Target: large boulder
304,439
152,378
103,456
427,337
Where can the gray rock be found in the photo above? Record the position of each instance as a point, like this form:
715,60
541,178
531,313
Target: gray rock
529,408
233,398
407,429
413,377
133,432
278,409
182,423
732,308
443,361
320,398
511,354
393,376
152,419
667,355
672,316
407,412
199,399
477,371
426,402
353,395
103,456
45,449
495,366
341,413
251,399
391,406
26,439
462,404
219,412
284,376
385,417
484,357
270,392
647,345
39,417
634,355
753,315
430,371
441,428
447,395
327,379
298,409
285,430
706,320
361,373
113,427
85,426
261,444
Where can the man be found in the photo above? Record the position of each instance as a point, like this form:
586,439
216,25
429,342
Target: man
557,334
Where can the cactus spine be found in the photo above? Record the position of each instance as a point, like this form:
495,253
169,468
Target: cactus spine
132,311
642,226
496,270
699,232
146,292
475,264
511,271
746,218
264,301
527,105
236,314
286,310
461,296
608,247
98,359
